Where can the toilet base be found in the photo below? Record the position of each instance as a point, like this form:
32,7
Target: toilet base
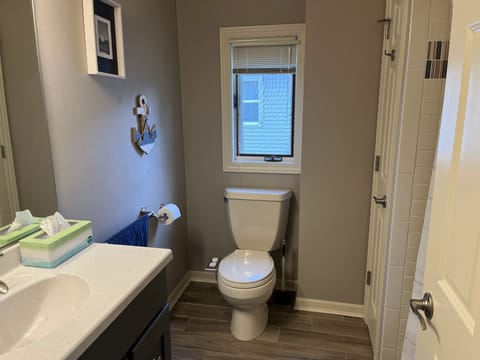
248,324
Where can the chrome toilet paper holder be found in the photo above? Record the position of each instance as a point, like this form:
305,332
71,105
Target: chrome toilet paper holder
166,214
145,211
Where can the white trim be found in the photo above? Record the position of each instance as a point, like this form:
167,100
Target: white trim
176,293
322,306
253,33
378,260
8,164
204,276
210,277
329,307
198,276
292,40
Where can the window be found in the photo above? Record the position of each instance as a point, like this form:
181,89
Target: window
262,93
247,95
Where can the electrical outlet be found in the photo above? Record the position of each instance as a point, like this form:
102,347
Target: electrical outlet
212,264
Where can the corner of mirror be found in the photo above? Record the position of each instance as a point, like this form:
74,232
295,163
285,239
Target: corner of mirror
23,184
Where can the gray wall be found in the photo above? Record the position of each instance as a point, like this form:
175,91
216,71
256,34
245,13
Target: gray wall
99,175
26,108
341,89
328,228
198,35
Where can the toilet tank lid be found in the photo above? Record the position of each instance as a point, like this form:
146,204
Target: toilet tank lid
258,194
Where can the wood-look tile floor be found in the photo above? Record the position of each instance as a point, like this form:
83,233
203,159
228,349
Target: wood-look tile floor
200,330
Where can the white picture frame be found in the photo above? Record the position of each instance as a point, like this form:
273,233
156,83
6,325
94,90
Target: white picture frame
93,51
103,37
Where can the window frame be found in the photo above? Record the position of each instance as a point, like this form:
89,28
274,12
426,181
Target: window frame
250,35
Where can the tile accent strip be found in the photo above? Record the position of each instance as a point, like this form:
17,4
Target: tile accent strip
437,60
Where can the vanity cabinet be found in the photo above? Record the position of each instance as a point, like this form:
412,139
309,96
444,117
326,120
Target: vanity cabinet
141,331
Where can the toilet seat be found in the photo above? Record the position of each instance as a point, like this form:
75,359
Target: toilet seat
244,269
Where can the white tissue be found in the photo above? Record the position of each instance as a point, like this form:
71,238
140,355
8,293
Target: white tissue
168,214
22,218
54,223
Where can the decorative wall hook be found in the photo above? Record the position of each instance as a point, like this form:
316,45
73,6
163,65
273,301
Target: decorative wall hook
144,137
386,22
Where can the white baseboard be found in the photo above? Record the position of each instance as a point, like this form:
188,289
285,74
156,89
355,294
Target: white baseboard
329,307
204,276
211,278
179,290
199,276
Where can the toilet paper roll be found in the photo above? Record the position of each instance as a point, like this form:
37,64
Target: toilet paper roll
167,214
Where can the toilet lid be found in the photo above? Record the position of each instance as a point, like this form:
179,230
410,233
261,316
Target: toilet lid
246,267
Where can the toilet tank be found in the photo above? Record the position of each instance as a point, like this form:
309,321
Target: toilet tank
258,217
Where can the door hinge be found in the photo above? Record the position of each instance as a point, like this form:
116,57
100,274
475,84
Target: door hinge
2,149
369,277
377,163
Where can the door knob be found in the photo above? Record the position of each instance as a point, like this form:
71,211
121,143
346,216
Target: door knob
426,305
382,201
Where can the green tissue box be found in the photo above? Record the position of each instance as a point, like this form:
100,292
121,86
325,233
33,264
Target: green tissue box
39,250
7,238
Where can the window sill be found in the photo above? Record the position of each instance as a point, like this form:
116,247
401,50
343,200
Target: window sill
262,168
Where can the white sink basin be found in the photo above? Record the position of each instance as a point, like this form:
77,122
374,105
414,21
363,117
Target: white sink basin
33,311
58,313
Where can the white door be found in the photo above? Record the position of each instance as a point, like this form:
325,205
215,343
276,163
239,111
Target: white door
386,142
8,187
452,272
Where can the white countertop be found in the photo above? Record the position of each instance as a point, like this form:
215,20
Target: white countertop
115,275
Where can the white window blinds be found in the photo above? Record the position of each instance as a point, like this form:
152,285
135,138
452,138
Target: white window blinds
264,59
263,92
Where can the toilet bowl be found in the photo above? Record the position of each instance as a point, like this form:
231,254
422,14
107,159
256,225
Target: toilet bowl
246,277
246,280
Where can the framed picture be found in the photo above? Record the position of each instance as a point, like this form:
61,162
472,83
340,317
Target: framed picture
103,35
104,38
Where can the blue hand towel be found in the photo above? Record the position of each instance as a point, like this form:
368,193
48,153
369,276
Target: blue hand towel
135,234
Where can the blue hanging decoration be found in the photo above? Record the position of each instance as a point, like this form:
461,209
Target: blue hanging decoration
144,138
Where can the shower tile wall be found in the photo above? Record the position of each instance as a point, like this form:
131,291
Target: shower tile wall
425,83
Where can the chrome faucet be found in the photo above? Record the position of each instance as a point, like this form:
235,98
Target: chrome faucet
3,286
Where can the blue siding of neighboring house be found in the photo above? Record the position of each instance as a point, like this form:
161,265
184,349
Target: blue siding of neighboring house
272,134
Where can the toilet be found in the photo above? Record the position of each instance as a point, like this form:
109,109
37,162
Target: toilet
246,277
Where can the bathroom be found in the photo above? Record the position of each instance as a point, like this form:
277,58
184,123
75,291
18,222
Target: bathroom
73,151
